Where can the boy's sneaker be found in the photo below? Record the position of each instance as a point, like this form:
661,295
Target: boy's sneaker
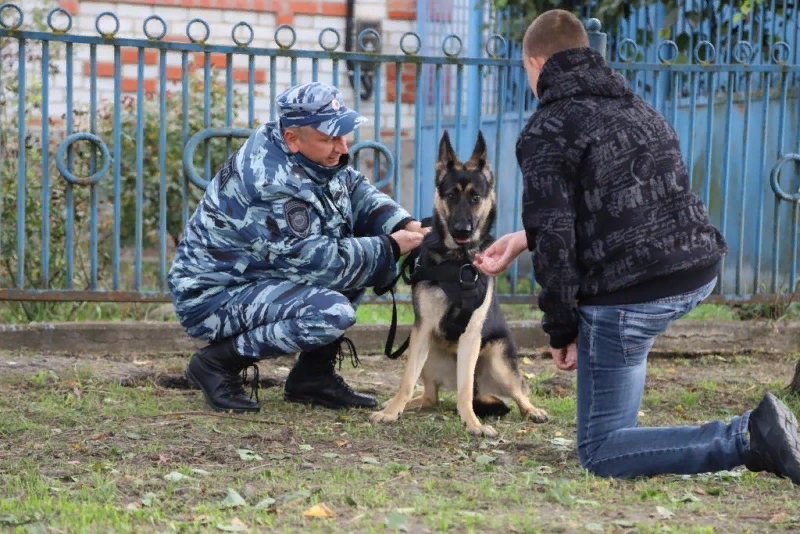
774,444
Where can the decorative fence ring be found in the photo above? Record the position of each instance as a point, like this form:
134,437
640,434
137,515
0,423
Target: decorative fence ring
448,39
739,49
712,52
66,143
774,178
163,28
50,20
242,24
338,39
496,38
364,33
631,45
672,46
782,45
199,137
189,31
19,19
403,47
354,150
593,25
278,30
108,35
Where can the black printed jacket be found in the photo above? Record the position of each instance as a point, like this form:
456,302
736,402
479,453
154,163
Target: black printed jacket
607,208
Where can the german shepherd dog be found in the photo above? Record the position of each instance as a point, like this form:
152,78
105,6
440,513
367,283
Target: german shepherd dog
458,342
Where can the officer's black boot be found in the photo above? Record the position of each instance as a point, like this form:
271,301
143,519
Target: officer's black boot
774,444
215,370
313,380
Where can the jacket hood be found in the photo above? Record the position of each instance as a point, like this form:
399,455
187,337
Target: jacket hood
579,72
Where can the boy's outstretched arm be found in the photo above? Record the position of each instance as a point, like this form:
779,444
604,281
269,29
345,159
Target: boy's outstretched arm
548,217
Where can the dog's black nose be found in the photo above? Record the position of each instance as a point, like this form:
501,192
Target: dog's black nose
462,228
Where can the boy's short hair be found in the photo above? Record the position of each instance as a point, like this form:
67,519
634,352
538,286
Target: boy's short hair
552,32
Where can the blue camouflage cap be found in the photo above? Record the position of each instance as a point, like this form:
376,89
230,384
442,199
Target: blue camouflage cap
319,105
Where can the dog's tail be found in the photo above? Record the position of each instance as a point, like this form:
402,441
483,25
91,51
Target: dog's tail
489,405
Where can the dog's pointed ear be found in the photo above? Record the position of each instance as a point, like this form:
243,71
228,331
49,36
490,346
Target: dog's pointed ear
447,156
478,159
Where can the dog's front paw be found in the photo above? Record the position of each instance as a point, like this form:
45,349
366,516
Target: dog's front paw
537,415
384,416
482,430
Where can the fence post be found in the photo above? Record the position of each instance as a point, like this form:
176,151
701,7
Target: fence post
597,39
474,49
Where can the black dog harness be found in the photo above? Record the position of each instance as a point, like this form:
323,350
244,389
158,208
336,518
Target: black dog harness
463,284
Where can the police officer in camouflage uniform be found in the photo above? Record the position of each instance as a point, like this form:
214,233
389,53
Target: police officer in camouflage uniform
283,244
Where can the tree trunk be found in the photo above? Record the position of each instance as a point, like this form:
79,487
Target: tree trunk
794,387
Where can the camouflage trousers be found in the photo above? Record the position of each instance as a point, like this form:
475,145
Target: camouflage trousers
277,317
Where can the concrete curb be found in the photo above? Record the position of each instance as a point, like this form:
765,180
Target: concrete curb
685,337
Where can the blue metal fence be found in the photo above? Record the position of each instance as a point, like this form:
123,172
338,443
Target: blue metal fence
735,139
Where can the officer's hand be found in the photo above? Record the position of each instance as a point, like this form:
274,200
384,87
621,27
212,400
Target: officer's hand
407,241
416,226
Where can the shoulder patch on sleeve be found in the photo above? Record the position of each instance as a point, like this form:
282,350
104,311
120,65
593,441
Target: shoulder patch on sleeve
298,217
228,170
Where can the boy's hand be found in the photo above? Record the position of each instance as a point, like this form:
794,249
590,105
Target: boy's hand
407,241
567,358
498,257
416,226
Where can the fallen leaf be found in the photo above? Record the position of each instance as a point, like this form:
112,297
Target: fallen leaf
306,447
203,518
233,499
247,455
330,455
588,503
343,418
663,513
396,521
149,499
265,503
277,456
297,495
341,442
77,392
779,518
175,477
132,507
319,510
624,523
133,436
369,460
235,526
162,460
202,472
687,498
485,459
700,491
37,528
595,527
99,437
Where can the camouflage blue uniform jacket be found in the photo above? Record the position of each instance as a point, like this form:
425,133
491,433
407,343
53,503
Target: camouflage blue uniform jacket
268,215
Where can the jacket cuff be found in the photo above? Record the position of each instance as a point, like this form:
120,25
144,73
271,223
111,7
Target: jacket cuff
395,248
561,340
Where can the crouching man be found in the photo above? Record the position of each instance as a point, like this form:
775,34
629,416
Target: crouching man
283,244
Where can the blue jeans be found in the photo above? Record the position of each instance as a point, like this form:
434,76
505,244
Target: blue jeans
613,343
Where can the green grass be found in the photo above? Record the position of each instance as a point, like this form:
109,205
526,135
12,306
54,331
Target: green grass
81,453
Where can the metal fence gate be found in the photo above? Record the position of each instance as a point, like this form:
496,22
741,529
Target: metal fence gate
96,221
